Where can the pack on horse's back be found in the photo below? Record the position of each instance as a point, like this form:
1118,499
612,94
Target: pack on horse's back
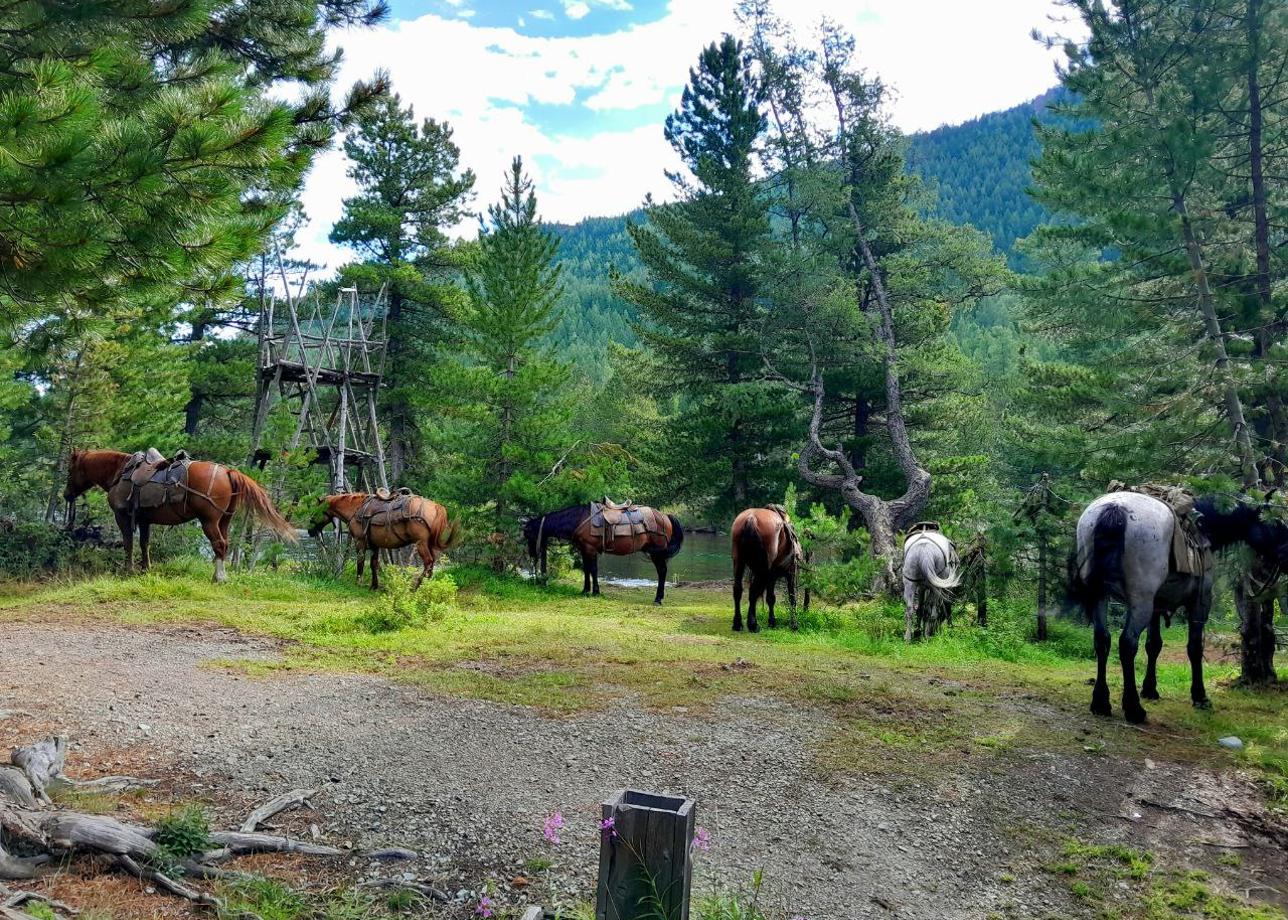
617,528
144,488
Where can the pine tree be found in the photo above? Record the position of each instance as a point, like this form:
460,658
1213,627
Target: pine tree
411,189
510,397
700,306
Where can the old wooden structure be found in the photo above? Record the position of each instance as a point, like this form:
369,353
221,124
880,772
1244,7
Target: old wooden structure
645,857
326,362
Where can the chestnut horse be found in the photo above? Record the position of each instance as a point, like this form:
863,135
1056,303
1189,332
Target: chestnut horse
418,521
764,541
212,494
661,541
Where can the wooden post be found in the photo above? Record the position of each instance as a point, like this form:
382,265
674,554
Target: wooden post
645,867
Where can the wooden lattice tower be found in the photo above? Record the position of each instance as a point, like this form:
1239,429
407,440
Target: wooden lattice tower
326,363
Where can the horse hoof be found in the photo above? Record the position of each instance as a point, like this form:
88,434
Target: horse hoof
1101,709
753,627
1135,715
737,627
1204,703
1150,695
657,603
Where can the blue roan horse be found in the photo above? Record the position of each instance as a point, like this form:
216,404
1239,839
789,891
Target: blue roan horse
1124,553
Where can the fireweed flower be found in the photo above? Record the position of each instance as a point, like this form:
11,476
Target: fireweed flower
609,826
702,839
485,906
551,827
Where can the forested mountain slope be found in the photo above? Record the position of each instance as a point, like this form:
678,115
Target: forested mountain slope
978,171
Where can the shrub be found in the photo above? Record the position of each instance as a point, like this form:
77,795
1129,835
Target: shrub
33,549
398,606
179,836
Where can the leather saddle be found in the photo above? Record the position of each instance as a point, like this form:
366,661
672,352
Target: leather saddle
609,520
153,479
924,527
384,508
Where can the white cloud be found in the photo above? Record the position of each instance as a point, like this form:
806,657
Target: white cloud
976,58
575,9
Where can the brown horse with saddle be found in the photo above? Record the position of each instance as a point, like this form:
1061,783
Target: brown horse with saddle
765,542
607,527
385,520
145,488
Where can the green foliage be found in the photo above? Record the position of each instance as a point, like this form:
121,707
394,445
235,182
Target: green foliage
411,190
40,910
700,303
181,835
399,607
506,397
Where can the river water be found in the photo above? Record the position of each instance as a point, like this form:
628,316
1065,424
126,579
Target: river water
704,557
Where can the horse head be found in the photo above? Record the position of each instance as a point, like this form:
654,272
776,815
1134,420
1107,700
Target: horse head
532,534
322,516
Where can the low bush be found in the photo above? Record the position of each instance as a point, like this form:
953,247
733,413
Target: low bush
399,607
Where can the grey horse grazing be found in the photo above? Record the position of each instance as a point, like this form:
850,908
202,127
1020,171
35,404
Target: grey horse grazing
930,572
1125,552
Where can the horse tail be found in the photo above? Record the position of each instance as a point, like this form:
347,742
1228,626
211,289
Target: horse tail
450,536
677,537
1102,568
260,507
751,549
934,579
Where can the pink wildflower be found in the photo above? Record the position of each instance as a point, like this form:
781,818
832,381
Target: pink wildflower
551,827
702,839
609,824
485,906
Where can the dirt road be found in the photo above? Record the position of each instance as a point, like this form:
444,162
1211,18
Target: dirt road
468,783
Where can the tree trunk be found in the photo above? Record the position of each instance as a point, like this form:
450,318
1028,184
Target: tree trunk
1043,566
192,411
399,425
1254,597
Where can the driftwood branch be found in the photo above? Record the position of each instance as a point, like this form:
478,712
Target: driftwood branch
275,806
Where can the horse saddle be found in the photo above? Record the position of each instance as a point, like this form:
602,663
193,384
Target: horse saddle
153,479
384,508
1191,551
609,520
924,527
615,506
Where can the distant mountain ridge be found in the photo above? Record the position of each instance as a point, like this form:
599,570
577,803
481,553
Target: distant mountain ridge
979,171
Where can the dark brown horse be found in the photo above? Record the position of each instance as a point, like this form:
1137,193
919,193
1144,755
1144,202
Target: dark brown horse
764,541
211,493
377,524
658,535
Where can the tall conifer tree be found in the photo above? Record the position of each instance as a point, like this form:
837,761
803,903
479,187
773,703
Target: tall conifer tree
701,304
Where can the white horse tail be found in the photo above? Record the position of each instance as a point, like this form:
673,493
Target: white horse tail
926,565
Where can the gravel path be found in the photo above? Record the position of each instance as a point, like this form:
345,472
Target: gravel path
469,782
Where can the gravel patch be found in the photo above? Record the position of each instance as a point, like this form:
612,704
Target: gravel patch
468,783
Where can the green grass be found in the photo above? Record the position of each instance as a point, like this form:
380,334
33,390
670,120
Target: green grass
968,692
1128,884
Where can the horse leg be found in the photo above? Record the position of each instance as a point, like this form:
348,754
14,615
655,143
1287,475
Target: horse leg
757,588
218,545
594,575
362,559
126,523
910,612
771,599
585,572
1153,645
427,563
145,551
375,568
739,570
659,563
791,598
1099,615
1140,613
1197,614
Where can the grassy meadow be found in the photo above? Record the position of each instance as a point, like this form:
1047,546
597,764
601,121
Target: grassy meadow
914,709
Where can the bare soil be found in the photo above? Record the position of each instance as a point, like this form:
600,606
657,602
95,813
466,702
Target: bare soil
468,783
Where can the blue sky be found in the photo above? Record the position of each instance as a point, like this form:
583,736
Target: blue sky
580,88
